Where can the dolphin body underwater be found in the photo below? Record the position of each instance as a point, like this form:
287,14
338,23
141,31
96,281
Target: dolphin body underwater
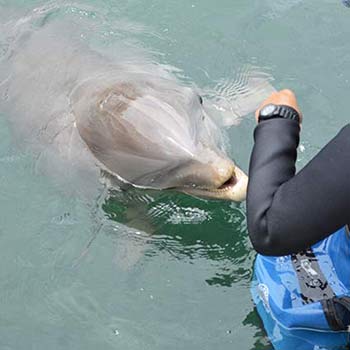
85,114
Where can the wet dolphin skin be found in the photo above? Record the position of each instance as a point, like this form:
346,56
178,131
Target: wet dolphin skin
81,111
154,133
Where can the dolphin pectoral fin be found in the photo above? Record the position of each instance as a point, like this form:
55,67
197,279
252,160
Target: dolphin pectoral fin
132,247
231,100
129,251
131,243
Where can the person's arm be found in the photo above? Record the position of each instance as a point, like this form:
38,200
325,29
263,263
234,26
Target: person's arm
287,212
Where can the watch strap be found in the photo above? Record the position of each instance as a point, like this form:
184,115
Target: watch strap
282,111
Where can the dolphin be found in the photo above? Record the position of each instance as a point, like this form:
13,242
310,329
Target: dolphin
152,132
85,114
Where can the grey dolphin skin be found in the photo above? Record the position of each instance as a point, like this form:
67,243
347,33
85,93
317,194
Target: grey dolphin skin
82,111
153,133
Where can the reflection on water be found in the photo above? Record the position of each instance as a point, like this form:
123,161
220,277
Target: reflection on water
262,342
187,228
144,270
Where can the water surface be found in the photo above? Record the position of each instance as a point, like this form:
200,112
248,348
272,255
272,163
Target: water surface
174,272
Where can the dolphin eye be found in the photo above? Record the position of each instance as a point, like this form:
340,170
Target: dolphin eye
200,99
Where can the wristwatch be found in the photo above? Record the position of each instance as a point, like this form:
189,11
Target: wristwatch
272,111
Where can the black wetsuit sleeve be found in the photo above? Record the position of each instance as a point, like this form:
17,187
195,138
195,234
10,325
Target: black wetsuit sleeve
287,212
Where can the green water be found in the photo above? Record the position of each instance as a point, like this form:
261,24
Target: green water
74,275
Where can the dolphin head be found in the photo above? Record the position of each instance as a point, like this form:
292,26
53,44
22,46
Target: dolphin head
153,133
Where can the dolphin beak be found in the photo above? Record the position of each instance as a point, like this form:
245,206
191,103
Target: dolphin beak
238,191
233,189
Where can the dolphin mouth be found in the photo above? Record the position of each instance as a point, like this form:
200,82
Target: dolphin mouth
233,189
228,184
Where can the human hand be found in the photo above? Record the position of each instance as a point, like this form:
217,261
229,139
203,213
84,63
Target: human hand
284,97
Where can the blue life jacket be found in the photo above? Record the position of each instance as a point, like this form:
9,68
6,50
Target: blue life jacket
304,299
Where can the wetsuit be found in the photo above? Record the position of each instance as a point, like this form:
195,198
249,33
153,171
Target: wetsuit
289,212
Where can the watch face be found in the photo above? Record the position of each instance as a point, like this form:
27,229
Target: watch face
267,110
